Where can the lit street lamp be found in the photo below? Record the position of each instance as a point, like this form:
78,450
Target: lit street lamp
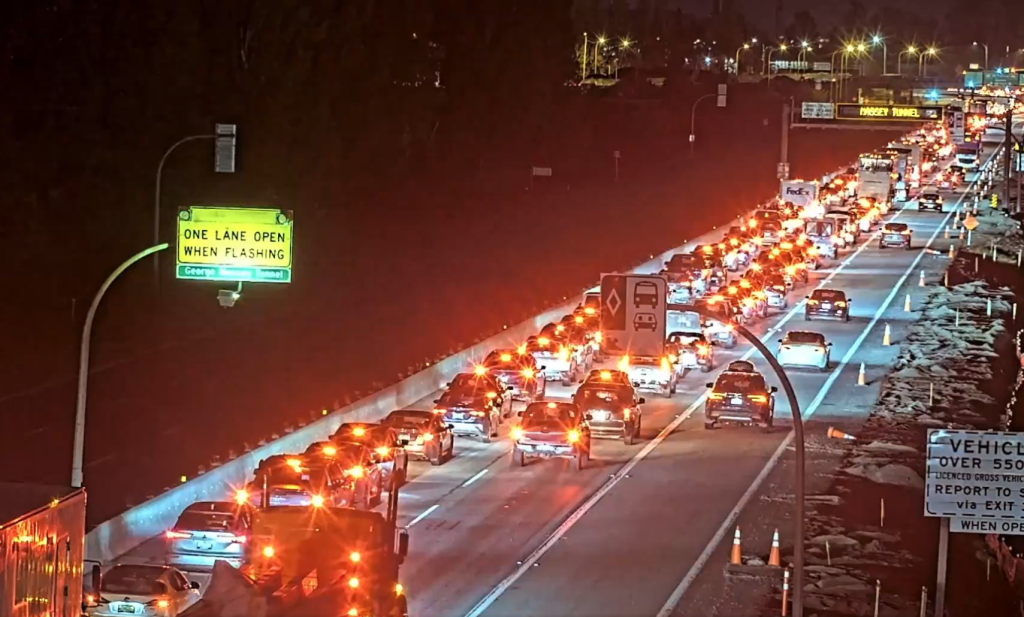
736,63
878,40
802,55
922,60
985,45
783,47
910,51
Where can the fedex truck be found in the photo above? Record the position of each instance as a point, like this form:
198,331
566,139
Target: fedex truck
800,193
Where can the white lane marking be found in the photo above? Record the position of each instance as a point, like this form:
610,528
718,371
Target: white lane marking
730,520
423,515
573,518
478,475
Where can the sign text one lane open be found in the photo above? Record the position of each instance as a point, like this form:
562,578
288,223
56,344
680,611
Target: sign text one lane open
234,244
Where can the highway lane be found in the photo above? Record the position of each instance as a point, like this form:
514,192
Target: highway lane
475,518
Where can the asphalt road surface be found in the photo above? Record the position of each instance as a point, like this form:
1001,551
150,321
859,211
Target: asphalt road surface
623,536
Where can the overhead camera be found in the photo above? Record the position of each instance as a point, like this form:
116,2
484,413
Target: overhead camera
227,297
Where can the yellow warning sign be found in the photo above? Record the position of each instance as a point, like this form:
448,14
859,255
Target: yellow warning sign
234,244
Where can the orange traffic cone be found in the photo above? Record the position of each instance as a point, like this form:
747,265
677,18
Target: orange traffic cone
834,433
736,557
861,377
773,556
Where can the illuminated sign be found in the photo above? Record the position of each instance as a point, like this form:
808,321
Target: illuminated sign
924,113
234,244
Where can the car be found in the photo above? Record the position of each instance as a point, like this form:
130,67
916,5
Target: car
652,374
383,441
615,376
645,321
518,372
929,200
894,235
614,410
551,429
298,480
142,590
800,348
591,304
739,397
561,361
472,406
362,470
719,330
423,434
207,531
692,350
827,304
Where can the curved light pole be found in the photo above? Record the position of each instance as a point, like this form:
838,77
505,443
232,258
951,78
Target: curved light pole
798,429
910,51
693,116
736,62
833,90
156,202
802,55
772,50
876,40
922,61
83,362
985,45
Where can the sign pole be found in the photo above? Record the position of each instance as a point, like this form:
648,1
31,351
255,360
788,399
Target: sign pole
83,363
784,154
156,201
940,577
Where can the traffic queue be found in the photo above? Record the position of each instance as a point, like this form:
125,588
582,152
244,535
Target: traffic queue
751,273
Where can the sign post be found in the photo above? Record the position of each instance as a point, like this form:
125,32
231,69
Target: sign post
633,313
975,483
234,244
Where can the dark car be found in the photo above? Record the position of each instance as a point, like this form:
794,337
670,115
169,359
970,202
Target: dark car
894,235
740,397
614,410
207,531
614,376
473,405
518,372
827,304
551,430
424,434
361,469
930,200
298,480
383,440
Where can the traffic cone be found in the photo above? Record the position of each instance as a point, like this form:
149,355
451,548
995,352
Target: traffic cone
887,337
945,233
906,304
945,279
736,557
951,254
773,557
861,377
956,222
988,308
962,236
834,433
920,279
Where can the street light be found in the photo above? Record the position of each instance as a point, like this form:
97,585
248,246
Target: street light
625,45
783,47
802,55
985,45
600,41
83,363
743,47
878,40
922,60
910,51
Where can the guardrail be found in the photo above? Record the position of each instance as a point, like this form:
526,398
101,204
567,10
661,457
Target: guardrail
131,528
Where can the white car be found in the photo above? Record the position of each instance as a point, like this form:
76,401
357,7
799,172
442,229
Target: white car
691,350
141,591
652,374
801,348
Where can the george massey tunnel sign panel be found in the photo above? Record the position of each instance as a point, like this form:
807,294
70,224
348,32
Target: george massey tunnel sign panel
975,475
234,244
892,113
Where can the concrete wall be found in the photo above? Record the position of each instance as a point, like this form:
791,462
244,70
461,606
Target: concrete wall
136,525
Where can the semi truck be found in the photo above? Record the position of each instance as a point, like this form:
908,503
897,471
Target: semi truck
316,562
875,178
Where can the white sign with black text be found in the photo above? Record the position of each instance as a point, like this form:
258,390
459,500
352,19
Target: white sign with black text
818,111
975,475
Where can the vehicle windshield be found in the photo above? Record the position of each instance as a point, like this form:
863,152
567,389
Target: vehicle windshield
684,263
930,196
828,295
134,581
687,338
604,396
895,227
343,527
718,307
409,419
205,521
740,382
509,359
539,415
804,337
282,473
